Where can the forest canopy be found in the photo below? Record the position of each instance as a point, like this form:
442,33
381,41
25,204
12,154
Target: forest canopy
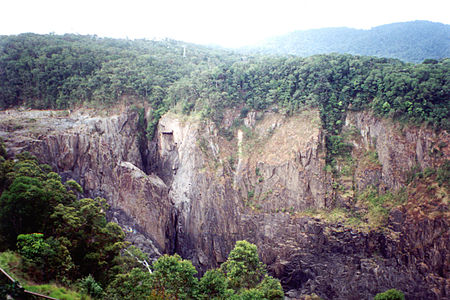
51,71
408,41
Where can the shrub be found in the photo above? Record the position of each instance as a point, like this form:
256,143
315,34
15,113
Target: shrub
391,294
213,284
89,286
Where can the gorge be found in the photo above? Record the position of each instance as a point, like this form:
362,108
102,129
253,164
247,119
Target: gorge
335,166
195,192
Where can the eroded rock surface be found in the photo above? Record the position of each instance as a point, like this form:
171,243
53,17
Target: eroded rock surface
104,155
400,148
195,190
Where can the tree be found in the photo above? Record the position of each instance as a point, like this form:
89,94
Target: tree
18,207
32,246
94,242
44,259
136,284
173,277
271,288
90,287
249,294
213,285
243,268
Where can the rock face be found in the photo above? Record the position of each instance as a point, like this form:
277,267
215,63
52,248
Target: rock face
282,162
205,204
103,155
400,148
197,188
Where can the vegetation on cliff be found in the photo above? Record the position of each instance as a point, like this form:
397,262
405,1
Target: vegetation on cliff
70,238
242,276
48,71
58,236
69,242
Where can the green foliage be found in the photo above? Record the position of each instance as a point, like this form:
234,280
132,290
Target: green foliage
73,185
271,288
213,285
174,277
79,240
243,267
391,294
153,122
51,71
32,246
242,276
249,294
337,146
244,112
443,174
18,207
90,287
28,187
93,243
135,284
409,41
57,292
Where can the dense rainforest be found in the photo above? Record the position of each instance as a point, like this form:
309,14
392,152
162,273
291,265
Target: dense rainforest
49,71
72,241
408,41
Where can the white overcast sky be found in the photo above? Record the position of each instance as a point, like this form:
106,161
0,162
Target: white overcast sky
229,23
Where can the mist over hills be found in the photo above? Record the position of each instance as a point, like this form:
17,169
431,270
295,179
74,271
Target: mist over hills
408,41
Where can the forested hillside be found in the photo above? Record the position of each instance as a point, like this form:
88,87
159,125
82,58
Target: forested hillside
47,71
408,41
50,71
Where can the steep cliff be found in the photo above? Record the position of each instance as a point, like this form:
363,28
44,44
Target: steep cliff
103,155
199,186
205,203
400,148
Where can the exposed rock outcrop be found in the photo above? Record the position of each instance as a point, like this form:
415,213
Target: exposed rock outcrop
400,148
103,155
206,208
208,189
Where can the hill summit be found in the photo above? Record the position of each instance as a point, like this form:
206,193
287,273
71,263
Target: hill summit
409,41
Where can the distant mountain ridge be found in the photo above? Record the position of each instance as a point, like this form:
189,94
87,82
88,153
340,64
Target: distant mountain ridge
408,41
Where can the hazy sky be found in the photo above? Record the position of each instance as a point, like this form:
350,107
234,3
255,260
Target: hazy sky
228,23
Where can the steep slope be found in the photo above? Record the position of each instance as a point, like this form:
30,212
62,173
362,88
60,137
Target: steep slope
103,154
408,41
268,184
